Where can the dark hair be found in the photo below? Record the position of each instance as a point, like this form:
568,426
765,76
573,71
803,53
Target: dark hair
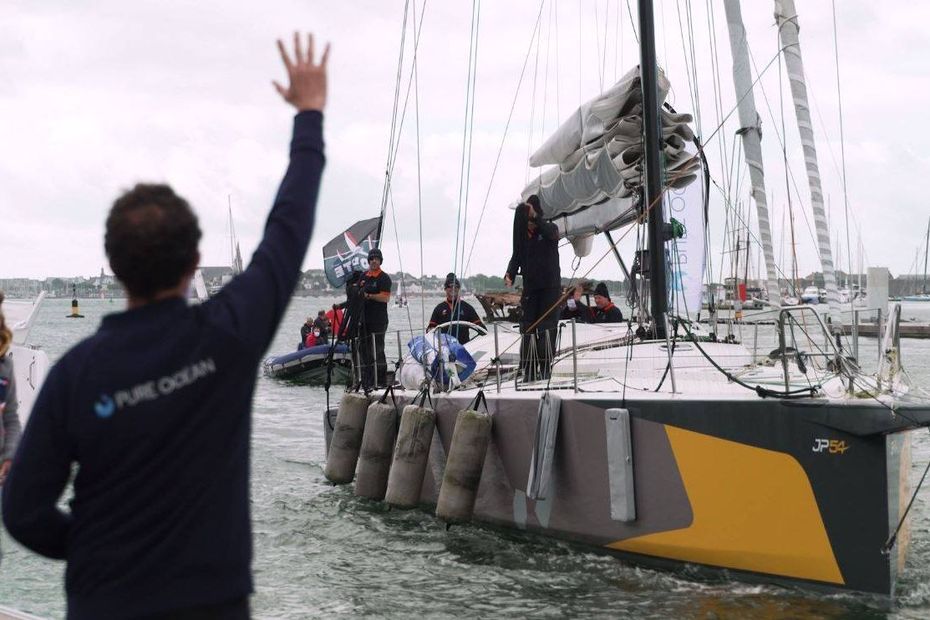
151,239
533,201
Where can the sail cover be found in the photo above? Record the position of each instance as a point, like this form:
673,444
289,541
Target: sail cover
595,161
348,251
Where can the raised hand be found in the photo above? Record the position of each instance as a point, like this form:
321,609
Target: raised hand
306,89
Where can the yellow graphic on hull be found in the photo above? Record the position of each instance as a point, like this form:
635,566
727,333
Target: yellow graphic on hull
754,510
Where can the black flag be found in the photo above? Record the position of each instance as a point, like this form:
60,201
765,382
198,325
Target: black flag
348,252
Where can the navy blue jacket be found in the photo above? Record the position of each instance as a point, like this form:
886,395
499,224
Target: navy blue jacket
155,411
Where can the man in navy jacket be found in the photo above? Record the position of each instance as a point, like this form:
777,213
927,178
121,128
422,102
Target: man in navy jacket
155,408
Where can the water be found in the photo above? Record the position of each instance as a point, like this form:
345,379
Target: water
320,551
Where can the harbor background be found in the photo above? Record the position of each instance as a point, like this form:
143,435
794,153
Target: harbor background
320,551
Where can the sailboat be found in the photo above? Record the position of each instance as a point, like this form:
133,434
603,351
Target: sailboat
666,445
30,365
923,296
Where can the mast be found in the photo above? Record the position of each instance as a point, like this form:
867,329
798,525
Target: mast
653,197
787,18
751,133
926,250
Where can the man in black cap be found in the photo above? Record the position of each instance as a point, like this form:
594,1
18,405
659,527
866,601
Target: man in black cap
454,309
374,287
605,311
536,256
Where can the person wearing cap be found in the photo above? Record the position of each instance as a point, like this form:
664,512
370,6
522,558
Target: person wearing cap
605,311
536,257
454,309
575,308
374,286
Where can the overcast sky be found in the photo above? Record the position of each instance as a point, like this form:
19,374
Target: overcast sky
96,96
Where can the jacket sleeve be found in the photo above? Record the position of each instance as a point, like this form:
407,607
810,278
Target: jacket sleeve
252,304
435,317
549,230
39,474
11,424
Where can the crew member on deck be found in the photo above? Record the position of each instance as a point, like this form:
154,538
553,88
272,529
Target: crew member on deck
605,311
375,288
454,309
575,308
536,257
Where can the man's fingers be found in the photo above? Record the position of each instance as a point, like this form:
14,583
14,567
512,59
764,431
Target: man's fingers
298,50
287,60
281,90
325,56
310,48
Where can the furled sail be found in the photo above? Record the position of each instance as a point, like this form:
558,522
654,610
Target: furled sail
595,176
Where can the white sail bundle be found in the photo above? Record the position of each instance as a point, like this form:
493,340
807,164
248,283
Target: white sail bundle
596,159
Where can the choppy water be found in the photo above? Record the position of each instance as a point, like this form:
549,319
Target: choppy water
320,551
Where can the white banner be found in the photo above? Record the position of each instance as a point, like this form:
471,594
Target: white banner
686,256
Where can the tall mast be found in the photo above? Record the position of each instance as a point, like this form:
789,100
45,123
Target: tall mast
787,18
653,146
751,133
926,250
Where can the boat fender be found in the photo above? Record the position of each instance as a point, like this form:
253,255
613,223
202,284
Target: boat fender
347,438
464,464
411,454
539,482
374,460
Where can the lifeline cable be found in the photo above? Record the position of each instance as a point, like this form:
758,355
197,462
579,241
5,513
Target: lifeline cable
894,537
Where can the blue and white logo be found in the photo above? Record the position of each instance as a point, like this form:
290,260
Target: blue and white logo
104,407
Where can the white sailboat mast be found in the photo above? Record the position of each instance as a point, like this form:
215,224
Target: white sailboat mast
751,133
787,18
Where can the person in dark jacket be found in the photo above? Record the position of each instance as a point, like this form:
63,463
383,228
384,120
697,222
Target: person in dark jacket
605,311
305,329
454,309
10,427
575,308
536,257
375,289
321,324
154,409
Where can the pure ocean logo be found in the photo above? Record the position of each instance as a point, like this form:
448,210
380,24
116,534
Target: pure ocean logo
104,407
153,389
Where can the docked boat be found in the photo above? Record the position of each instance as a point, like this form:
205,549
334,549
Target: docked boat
310,365
30,364
771,458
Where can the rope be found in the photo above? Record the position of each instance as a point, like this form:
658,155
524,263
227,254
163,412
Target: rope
467,130
500,149
416,83
839,99
894,537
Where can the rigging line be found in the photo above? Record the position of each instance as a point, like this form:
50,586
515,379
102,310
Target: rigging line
400,66
597,43
400,260
471,135
500,149
416,104
529,139
886,548
555,9
618,40
839,98
403,116
782,141
632,21
465,132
